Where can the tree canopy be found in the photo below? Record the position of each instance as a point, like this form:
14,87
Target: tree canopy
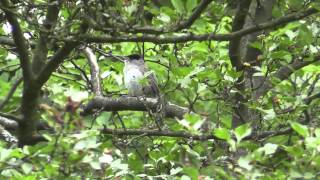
239,84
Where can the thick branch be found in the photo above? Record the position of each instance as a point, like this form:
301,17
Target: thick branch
238,22
19,40
285,71
6,41
8,123
41,51
132,104
54,62
192,37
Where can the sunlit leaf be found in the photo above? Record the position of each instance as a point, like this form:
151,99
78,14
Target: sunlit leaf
300,129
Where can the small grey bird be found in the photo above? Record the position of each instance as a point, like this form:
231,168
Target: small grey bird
134,72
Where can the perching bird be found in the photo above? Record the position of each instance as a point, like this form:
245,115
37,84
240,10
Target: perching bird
135,71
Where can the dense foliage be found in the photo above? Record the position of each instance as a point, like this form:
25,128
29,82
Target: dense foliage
240,79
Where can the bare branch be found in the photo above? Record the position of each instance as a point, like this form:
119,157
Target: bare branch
132,104
94,71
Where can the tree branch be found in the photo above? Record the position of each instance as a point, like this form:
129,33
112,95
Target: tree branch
192,37
309,99
237,25
94,71
132,104
54,62
7,136
41,51
182,134
19,40
194,16
6,41
8,123
284,72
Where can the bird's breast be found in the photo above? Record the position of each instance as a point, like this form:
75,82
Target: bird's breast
132,77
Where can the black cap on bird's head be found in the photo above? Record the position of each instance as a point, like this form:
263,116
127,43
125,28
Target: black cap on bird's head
133,57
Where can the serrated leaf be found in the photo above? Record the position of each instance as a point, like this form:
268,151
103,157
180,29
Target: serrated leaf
300,129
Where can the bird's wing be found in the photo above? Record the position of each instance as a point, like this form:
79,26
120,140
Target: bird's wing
152,89
153,84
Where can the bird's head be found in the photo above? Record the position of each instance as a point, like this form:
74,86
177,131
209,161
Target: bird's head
133,58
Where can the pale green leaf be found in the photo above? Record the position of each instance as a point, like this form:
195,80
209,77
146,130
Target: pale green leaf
222,133
242,132
178,5
26,168
300,129
191,4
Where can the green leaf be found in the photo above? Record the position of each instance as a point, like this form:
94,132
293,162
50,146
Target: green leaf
300,129
184,177
270,148
191,4
4,154
305,36
317,132
242,132
175,171
95,165
281,55
222,133
178,5
191,172
26,168
244,162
